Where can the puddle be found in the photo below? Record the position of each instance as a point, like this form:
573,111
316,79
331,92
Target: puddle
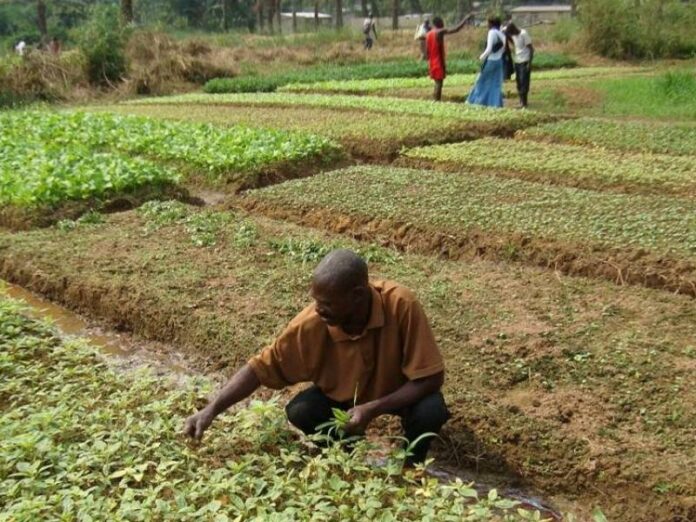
120,349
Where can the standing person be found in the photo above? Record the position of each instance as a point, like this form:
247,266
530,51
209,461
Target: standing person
369,27
21,48
421,33
488,89
54,46
435,46
367,348
523,54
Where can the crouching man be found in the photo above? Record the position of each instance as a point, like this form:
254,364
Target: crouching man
359,339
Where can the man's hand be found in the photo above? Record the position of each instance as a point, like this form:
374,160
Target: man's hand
360,417
197,423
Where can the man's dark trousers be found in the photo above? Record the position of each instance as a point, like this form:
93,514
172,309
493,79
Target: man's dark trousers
310,408
523,73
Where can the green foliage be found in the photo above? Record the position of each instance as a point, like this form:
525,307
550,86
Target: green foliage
455,80
401,69
459,203
83,442
102,41
568,163
638,136
43,162
454,111
89,218
646,29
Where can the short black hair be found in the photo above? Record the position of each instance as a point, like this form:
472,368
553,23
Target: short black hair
494,21
512,29
437,22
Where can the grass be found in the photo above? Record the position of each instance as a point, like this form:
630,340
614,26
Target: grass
83,441
639,136
454,79
511,337
571,165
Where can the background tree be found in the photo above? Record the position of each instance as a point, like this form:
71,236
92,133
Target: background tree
41,18
127,11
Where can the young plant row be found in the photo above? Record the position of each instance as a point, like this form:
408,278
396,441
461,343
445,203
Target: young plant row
660,138
463,203
82,442
37,173
470,113
367,86
404,68
572,165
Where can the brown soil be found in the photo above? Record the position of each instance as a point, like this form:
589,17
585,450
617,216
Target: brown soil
511,338
539,176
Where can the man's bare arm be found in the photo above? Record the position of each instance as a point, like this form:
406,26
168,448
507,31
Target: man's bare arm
406,395
239,387
460,25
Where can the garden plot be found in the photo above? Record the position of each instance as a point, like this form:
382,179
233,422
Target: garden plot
570,385
386,85
51,159
638,136
365,135
571,165
81,441
626,238
493,120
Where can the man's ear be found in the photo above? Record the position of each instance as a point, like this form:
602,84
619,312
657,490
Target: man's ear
360,293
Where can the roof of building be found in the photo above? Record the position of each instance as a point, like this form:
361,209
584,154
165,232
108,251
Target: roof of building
541,9
306,14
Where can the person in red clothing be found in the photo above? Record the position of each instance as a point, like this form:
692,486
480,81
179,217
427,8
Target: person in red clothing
435,44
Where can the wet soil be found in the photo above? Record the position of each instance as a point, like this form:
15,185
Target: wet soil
581,389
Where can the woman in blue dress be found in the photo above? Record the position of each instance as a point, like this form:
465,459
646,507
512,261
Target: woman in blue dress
488,89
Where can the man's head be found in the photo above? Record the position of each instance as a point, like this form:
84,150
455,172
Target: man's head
512,30
340,288
438,23
370,16
494,22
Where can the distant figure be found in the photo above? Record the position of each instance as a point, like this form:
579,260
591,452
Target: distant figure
54,46
421,32
435,46
522,56
21,48
368,28
488,89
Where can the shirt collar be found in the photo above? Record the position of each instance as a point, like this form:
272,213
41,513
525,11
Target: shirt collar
376,320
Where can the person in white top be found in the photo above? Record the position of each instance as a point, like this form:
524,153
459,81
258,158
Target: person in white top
488,89
522,55
20,48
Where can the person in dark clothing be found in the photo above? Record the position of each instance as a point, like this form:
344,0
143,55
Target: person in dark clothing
522,55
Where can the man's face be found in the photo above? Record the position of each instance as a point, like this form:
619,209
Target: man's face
334,307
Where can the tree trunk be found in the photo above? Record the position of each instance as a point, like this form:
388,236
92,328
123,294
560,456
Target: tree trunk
127,11
363,8
259,15
271,14
339,14
316,15
573,8
41,18
395,14
416,6
278,17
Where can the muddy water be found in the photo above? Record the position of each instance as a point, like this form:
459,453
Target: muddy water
129,354
119,348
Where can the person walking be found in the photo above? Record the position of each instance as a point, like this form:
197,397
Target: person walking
488,89
369,28
435,46
522,55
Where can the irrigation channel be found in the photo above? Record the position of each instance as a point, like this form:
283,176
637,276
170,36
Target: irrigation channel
125,353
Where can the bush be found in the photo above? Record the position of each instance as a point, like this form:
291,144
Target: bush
102,40
652,29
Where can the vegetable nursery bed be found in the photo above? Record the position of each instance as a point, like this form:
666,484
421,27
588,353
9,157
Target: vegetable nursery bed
364,135
629,239
63,163
569,383
563,164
